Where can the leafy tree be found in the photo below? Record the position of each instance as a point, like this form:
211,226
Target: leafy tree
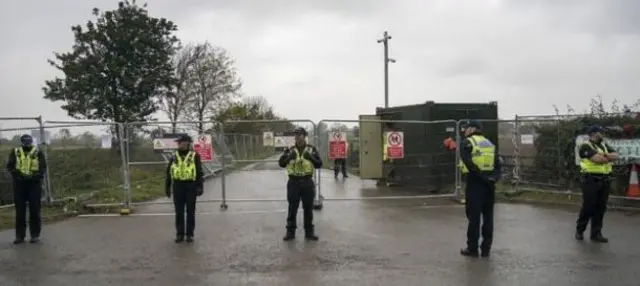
214,83
251,108
118,64
176,100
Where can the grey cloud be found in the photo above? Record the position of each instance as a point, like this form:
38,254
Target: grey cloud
598,17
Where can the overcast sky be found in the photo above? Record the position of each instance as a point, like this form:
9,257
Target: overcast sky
319,59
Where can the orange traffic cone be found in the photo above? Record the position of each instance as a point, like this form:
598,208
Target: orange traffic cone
634,189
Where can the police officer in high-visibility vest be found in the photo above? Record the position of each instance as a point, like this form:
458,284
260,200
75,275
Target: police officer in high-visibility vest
300,162
27,166
481,166
596,166
185,175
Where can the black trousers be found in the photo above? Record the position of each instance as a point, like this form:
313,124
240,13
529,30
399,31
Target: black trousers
300,190
595,195
27,194
184,197
340,164
480,200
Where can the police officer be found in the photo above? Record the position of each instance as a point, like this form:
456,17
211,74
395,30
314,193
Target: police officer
184,173
27,167
482,167
596,165
300,161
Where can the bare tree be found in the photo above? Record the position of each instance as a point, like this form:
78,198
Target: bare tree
176,100
215,83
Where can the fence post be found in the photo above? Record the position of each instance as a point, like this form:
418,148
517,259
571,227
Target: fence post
47,182
458,184
516,154
223,182
124,143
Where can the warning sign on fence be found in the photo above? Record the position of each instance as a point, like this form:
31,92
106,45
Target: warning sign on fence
165,143
203,147
337,145
267,139
395,144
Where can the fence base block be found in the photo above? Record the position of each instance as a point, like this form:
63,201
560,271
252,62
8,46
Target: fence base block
317,205
125,211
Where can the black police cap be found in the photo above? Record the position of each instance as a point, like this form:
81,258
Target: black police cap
184,138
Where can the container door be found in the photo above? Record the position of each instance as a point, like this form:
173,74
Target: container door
370,148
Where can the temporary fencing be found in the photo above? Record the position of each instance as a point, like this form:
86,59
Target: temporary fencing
256,146
405,153
541,154
124,164
84,160
148,148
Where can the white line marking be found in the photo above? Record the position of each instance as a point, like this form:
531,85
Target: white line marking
171,214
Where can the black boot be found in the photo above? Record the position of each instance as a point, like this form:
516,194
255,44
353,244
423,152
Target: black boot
310,235
291,235
18,241
179,238
469,253
579,236
599,238
34,239
189,239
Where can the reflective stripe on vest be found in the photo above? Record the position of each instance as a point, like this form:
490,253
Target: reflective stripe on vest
589,167
184,169
27,164
483,154
300,167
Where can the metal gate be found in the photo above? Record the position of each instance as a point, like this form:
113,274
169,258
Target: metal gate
256,146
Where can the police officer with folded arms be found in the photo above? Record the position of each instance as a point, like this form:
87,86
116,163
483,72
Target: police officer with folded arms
27,166
300,161
596,165
482,167
185,177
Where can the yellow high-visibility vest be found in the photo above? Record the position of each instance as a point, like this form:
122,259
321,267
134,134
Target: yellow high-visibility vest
184,169
27,163
300,167
589,167
483,154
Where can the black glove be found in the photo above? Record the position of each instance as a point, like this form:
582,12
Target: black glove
167,191
292,156
307,156
199,192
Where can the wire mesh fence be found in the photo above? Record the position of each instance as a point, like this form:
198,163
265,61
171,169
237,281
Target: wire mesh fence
256,146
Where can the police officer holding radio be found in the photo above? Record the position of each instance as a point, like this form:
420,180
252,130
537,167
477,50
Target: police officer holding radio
300,162
482,167
185,175
27,166
596,165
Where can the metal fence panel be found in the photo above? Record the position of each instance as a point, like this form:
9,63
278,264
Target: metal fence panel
85,162
256,146
147,162
540,154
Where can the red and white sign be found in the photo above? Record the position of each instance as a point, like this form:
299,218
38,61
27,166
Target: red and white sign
395,145
337,145
203,147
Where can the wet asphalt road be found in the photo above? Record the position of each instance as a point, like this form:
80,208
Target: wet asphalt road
409,242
